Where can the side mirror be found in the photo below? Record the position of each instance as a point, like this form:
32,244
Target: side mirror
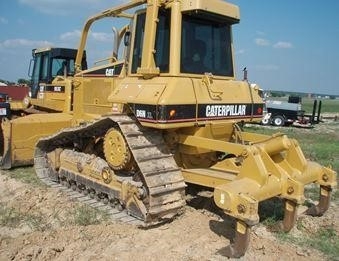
127,38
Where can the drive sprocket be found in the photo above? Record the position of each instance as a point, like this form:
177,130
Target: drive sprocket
116,151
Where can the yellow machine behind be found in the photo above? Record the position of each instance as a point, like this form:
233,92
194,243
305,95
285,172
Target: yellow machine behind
164,116
50,92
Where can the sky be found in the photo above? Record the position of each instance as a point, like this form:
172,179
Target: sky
286,45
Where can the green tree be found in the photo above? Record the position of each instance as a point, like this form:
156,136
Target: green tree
7,82
23,81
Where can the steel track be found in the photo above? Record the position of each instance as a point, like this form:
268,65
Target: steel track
162,179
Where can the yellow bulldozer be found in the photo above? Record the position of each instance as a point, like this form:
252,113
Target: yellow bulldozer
50,91
166,115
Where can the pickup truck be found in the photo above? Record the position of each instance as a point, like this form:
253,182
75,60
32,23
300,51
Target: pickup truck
280,113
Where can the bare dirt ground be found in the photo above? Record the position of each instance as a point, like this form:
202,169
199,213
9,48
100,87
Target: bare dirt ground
39,223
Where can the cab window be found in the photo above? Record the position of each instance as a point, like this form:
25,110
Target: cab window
162,42
59,65
206,46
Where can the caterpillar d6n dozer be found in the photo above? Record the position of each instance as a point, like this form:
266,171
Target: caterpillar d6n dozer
167,115
51,71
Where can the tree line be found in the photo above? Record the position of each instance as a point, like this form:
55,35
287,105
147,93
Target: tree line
20,81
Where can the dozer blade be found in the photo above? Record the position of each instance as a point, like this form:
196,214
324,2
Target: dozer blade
20,135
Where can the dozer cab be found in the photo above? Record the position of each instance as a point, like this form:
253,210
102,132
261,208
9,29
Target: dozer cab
50,89
167,115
